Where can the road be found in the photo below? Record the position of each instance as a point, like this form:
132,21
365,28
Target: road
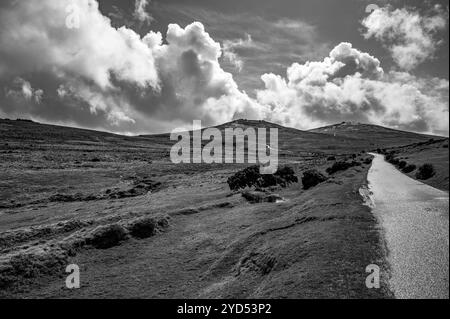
415,221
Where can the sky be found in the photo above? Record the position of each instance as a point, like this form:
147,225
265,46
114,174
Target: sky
150,66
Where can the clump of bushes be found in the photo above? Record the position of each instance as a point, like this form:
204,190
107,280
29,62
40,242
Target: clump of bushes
108,236
368,161
402,164
312,178
251,177
391,159
143,227
341,166
425,172
331,158
25,266
409,168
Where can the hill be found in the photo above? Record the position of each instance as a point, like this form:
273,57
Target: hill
140,226
340,138
373,135
434,152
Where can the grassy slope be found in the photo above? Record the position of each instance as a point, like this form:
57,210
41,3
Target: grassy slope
435,153
317,244
373,135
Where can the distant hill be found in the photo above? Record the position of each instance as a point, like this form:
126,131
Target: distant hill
433,152
373,135
339,138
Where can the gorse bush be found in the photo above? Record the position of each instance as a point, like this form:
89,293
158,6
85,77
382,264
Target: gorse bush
251,177
107,236
425,172
402,164
312,178
409,168
342,166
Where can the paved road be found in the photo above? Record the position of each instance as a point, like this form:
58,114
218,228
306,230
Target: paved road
415,219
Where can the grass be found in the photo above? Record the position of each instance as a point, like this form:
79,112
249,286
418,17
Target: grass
314,243
432,152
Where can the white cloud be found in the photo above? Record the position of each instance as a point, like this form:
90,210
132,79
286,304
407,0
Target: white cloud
350,85
409,36
102,77
22,90
114,74
229,47
140,11
34,38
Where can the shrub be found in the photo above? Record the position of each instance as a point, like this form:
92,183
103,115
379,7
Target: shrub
425,172
445,146
368,161
409,168
287,174
143,227
107,236
312,178
341,166
331,158
251,177
402,164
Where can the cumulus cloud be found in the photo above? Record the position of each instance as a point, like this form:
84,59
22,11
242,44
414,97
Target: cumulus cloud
22,90
140,12
103,77
351,85
409,35
115,76
229,50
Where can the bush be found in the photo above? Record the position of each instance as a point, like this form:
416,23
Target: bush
287,174
331,158
143,227
368,161
108,236
402,164
389,157
251,177
425,172
341,166
312,178
409,168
